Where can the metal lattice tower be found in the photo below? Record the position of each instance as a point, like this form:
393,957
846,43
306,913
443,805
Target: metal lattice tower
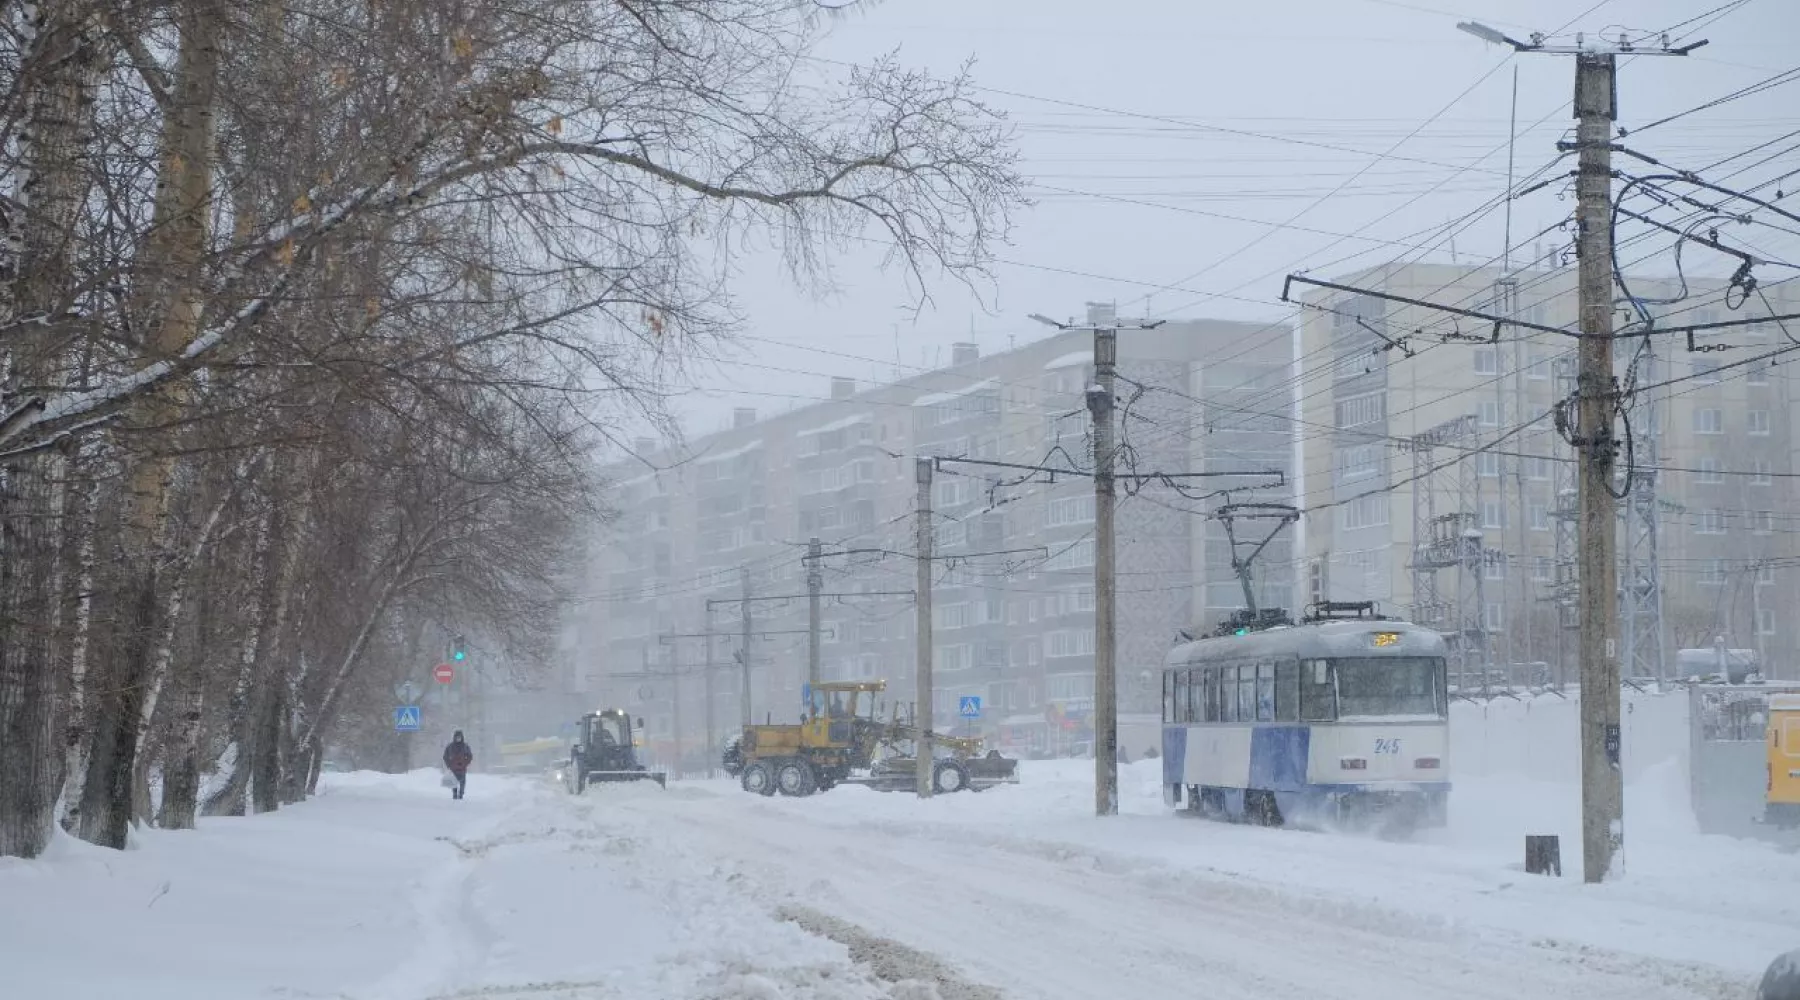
1640,578
1565,515
1447,536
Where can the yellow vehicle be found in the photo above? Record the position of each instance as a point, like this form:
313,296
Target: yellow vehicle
840,741
1783,807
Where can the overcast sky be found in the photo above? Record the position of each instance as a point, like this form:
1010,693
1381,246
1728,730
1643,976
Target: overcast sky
1185,155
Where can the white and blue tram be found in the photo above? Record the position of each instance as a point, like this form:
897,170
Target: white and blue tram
1330,721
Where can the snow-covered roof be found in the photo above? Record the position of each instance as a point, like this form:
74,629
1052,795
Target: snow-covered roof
838,425
1069,360
939,398
733,453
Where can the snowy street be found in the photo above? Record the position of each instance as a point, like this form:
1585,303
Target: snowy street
382,888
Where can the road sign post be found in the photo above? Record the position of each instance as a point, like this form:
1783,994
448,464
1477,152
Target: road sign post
406,719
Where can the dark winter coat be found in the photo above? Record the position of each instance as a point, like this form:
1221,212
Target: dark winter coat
458,757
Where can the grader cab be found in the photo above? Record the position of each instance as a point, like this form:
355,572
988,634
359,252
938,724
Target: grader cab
841,740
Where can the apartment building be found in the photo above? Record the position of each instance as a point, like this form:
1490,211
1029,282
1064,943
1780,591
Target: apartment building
1443,489
702,525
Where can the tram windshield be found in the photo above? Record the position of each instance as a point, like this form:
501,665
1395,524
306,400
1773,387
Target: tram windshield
1390,685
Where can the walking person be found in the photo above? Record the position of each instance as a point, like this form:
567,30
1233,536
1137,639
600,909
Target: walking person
458,757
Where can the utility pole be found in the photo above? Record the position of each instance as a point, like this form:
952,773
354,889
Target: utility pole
815,582
675,700
1596,108
923,717
1602,783
711,743
744,648
1100,399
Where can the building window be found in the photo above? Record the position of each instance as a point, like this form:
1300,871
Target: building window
1540,516
1760,470
1069,510
1710,420
1359,410
1714,574
1543,569
1540,368
1712,522
1358,462
1494,569
1069,642
1762,522
1489,412
1363,512
1758,422
1488,464
1493,514
1705,372
1758,374
1709,470
1487,361
1765,621
1765,574
1538,467
1493,616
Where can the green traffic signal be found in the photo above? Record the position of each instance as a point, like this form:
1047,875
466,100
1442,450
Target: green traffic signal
460,655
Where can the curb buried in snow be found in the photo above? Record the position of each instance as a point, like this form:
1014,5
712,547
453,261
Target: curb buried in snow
913,973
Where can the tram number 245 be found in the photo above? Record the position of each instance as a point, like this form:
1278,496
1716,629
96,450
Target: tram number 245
1387,746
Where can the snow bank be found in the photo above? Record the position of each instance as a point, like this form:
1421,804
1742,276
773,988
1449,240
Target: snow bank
384,888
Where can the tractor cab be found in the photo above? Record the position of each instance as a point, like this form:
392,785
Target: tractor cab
607,751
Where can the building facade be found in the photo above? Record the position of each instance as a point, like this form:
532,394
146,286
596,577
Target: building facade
728,516
1443,488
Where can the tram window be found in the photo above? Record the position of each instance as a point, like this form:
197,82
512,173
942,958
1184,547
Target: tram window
1181,697
1265,692
1246,696
1168,696
1287,691
1209,695
1390,685
1196,708
1318,697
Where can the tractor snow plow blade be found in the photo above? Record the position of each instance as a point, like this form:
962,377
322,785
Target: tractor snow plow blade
597,777
986,772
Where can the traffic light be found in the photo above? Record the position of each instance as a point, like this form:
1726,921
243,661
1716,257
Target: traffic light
458,649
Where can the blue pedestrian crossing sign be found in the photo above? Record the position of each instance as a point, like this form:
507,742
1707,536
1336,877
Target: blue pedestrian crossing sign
970,707
406,719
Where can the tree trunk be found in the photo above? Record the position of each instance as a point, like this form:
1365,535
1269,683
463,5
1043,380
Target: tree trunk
229,800
181,758
265,790
57,76
171,306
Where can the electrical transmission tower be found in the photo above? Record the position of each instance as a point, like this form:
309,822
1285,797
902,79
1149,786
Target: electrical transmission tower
1640,584
1447,536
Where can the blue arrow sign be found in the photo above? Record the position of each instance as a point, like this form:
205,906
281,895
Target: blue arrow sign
970,707
805,695
406,719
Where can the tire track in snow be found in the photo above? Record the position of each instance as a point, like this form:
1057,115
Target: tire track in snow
1159,931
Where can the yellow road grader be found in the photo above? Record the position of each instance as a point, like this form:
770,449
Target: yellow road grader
841,741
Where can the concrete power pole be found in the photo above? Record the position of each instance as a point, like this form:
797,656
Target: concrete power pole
744,647
923,715
1602,784
1105,325
1596,108
815,583
711,743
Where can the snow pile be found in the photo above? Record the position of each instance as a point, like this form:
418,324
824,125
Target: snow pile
383,888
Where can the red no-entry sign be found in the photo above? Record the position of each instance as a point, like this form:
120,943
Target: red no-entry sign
444,672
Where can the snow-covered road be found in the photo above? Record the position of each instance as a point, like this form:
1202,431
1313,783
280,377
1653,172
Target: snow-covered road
383,889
